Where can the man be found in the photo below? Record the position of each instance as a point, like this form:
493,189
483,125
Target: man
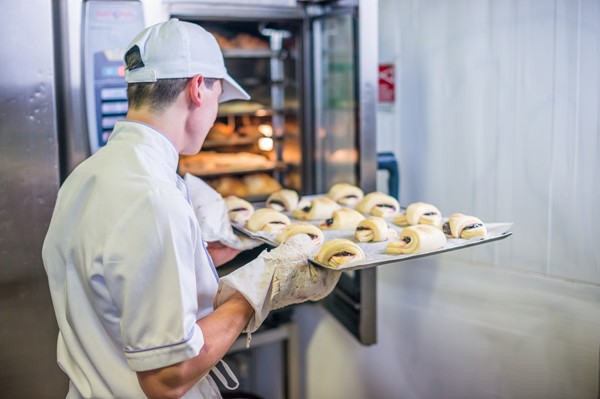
131,280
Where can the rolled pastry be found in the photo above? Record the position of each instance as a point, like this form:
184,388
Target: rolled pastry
339,251
417,239
238,209
345,194
319,208
267,219
313,232
464,226
419,213
373,228
342,219
378,204
283,200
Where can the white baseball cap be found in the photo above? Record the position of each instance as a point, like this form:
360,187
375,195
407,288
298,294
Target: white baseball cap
177,49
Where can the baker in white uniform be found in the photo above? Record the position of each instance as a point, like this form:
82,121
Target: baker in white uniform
131,281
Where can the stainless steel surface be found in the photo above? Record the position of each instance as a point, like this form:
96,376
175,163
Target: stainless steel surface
368,77
72,133
287,333
354,301
368,70
29,181
227,12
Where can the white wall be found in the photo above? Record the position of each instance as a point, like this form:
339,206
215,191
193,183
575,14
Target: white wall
497,115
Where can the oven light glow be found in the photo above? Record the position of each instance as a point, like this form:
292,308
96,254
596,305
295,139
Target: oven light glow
266,130
265,143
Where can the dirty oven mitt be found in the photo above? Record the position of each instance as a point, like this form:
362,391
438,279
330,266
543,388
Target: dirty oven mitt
278,278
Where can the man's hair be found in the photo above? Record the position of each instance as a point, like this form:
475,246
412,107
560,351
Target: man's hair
157,95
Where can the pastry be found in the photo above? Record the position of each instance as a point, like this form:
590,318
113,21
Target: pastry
373,228
417,239
228,185
261,184
207,162
378,204
464,226
238,209
320,208
267,219
283,200
313,232
339,251
220,132
345,194
419,213
342,219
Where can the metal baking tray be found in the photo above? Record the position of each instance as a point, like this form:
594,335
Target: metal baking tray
376,256
375,251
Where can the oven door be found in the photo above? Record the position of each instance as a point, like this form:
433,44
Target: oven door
344,73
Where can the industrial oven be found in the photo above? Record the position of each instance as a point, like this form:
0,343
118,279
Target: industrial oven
309,65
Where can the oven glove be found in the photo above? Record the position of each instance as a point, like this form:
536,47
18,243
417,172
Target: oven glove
211,212
278,278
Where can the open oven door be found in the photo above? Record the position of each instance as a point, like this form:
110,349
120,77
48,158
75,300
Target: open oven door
343,48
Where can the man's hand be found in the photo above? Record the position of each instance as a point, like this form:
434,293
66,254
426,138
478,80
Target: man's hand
278,278
220,253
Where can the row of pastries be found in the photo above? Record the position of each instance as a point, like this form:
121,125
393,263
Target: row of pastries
346,207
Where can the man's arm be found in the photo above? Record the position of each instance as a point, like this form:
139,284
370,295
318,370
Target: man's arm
221,253
220,329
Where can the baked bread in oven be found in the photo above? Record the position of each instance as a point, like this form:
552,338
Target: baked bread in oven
417,239
260,184
338,252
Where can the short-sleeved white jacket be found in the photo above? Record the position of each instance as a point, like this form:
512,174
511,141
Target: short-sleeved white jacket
128,271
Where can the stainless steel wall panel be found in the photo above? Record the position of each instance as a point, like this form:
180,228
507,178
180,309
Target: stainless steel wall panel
29,181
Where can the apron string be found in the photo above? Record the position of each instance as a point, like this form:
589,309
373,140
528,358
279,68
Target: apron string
223,379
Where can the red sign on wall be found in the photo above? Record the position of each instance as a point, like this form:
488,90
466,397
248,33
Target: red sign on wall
386,83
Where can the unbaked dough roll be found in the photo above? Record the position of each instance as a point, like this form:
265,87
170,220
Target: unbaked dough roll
283,200
239,210
464,226
417,239
378,204
338,252
320,208
267,219
342,219
315,234
419,213
345,194
373,228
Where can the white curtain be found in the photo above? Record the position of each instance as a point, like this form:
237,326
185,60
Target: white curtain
497,115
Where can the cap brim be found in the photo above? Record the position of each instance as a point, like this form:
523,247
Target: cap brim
232,91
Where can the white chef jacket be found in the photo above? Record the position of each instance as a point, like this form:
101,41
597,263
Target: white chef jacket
128,271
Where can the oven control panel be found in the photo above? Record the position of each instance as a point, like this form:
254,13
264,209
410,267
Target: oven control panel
109,26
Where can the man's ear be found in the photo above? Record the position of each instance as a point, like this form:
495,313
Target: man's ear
195,92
